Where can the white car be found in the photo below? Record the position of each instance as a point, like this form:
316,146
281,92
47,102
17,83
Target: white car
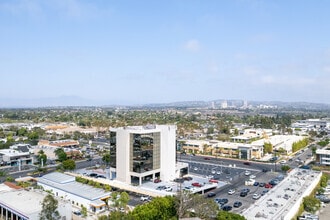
252,176
256,196
231,191
282,161
247,173
196,168
213,171
218,172
168,188
145,198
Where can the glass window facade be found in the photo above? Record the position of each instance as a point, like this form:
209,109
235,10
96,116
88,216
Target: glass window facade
144,152
113,147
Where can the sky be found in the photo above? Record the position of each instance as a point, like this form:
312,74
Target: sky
157,51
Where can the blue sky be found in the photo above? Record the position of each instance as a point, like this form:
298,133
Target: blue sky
148,51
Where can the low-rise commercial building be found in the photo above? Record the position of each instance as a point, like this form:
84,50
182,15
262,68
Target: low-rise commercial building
12,157
20,204
283,201
64,186
323,156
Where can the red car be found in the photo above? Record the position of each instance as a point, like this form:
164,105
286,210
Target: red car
157,181
267,185
213,181
196,184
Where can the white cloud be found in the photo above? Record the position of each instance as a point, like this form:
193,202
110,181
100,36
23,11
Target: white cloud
192,45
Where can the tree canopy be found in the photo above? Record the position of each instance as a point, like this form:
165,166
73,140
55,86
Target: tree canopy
49,209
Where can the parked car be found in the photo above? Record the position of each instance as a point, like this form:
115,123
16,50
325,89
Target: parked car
256,183
256,196
227,208
247,173
237,204
247,163
262,184
243,194
178,180
168,188
187,178
231,191
160,187
145,198
93,175
252,176
221,201
213,181
267,185
207,158
264,192
211,194
157,180
196,184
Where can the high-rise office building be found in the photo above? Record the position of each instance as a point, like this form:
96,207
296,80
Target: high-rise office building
141,153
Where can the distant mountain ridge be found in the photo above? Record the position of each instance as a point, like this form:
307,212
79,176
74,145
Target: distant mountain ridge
63,101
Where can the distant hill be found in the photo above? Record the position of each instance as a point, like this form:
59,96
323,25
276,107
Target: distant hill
63,101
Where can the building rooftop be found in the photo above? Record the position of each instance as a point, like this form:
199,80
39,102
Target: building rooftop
25,202
283,201
68,184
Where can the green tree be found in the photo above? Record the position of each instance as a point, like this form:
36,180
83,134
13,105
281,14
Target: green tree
61,155
223,215
49,209
324,180
285,168
84,211
311,204
69,164
158,208
106,158
268,147
42,157
123,199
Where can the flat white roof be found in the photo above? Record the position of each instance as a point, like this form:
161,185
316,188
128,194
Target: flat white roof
284,199
22,201
68,184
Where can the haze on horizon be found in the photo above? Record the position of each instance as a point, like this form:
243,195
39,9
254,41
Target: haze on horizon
165,51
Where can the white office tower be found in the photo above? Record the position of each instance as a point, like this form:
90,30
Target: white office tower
224,104
140,153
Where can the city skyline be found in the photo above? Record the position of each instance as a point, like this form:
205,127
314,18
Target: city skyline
140,52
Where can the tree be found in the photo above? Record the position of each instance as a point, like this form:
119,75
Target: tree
42,157
223,215
106,158
123,199
203,208
268,147
324,180
285,168
83,211
158,208
61,155
311,204
49,209
69,164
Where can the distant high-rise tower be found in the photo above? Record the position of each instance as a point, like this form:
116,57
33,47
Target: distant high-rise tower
224,104
245,104
212,105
